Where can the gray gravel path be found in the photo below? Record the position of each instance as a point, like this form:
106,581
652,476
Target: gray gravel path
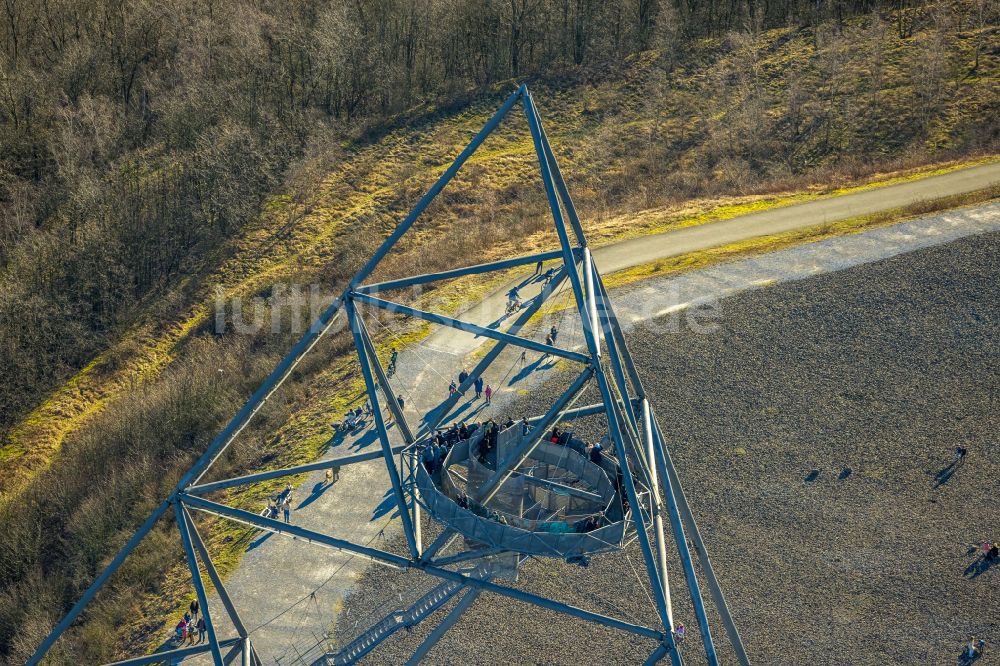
799,216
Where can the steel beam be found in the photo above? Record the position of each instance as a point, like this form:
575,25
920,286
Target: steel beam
98,583
569,259
527,443
216,579
457,272
654,489
523,317
579,412
436,188
588,279
442,628
561,488
467,555
288,471
619,338
383,434
260,396
680,499
273,525
544,602
560,184
721,605
609,324
633,498
234,652
442,541
385,557
468,327
199,586
591,337
685,554
168,656
682,547
383,381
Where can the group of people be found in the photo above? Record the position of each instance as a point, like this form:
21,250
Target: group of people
436,450
974,649
282,502
565,438
480,510
492,430
482,388
356,417
191,626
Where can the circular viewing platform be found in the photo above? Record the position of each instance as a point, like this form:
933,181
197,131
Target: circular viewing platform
556,503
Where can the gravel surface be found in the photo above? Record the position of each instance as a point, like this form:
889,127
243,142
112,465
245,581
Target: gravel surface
810,431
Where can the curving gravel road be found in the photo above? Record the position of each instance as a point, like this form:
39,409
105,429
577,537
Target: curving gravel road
642,250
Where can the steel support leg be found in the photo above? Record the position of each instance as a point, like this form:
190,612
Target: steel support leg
390,461
685,555
182,526
721,605
397,414
425,201
661,546
383,381
717,595
214,576
528,443
442,628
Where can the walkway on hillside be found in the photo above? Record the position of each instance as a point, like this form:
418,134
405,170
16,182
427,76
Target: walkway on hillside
637,251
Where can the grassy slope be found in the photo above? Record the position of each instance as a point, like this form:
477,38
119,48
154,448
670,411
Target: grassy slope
375,183
620,173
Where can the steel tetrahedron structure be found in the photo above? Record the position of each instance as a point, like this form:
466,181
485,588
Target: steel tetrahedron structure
604,500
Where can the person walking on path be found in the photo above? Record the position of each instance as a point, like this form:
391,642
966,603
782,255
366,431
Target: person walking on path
538,269
400,402
452,389
479,387
194,609
332,474
524,357
489,394
286,508
463,377
553,333
202,628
